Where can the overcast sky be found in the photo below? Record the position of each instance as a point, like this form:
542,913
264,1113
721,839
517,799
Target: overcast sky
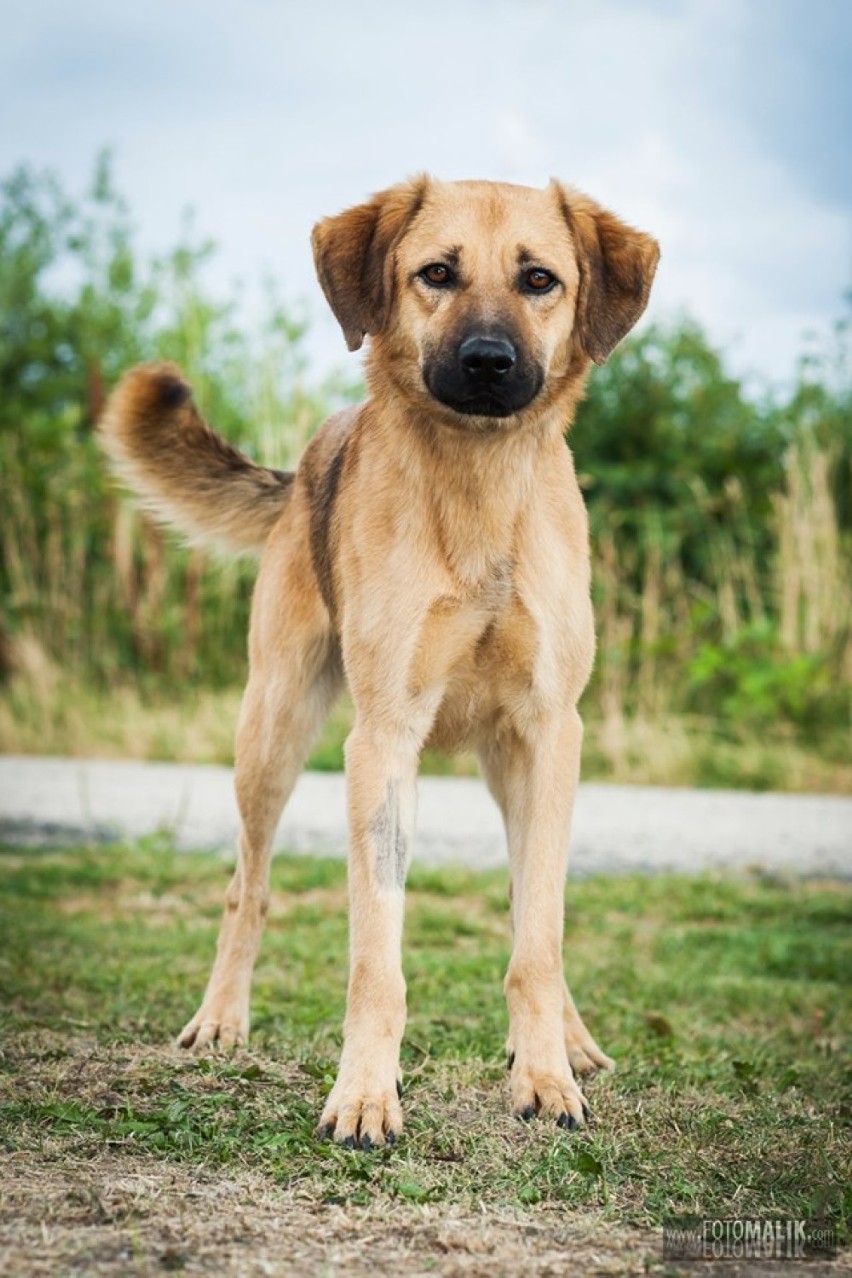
722,126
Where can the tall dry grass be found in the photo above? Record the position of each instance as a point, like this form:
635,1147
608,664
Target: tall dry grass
654,623
813,576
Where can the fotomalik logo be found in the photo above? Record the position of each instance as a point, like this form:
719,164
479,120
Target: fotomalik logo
773,1238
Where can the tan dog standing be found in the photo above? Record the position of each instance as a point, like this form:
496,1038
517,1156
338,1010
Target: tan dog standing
432,552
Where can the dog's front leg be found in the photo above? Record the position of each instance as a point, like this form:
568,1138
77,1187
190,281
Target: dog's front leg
381,765
498,757
540,773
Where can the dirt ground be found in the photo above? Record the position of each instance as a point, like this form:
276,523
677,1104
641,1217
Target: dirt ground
116,1214
124,1215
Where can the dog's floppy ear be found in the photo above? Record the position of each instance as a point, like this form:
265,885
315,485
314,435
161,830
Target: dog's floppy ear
354,252
617,266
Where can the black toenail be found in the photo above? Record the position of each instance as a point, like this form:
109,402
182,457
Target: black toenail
568,1121
587,1113
528,1113
510,1060
326,1130
391,1138
399,1089
366,1143
349,1142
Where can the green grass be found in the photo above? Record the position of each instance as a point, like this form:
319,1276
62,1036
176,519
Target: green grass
724,1001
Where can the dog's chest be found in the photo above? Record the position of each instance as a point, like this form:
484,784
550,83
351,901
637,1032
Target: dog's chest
491,596
502,663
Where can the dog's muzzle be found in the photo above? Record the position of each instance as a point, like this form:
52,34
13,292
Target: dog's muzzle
483,377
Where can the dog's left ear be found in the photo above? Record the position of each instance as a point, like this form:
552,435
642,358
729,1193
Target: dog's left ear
617,266
354,257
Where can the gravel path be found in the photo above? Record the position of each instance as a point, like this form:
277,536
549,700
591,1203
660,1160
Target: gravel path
616,828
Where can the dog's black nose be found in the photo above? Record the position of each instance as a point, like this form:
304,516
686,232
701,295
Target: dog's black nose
487,359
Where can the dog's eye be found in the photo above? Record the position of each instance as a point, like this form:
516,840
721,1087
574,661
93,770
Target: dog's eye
438,275
538,280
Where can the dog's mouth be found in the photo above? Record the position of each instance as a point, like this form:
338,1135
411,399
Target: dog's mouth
496,401
482,406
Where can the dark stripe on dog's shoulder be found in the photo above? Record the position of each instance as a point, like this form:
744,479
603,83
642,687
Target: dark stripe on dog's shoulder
323,497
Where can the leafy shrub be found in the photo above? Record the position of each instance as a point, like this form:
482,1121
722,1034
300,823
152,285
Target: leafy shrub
751,681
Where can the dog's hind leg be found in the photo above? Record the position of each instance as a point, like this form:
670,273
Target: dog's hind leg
289,694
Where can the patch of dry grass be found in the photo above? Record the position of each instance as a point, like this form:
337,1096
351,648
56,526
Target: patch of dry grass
111,1213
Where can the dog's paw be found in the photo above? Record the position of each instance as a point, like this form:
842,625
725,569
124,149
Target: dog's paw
360,1115
548,1093
215,1027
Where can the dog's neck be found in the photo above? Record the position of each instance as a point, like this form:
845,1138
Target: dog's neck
493,474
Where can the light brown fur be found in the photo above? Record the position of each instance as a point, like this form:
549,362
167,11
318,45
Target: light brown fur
438,564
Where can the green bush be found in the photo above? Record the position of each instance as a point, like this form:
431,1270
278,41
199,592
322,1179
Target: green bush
751,681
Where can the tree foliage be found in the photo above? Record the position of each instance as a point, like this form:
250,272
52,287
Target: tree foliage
668,444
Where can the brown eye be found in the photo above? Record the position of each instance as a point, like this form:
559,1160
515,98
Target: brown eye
537,280
438,275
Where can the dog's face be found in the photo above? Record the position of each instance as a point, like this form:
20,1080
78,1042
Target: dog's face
480,296
486,286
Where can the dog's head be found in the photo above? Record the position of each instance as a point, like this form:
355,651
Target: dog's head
482,296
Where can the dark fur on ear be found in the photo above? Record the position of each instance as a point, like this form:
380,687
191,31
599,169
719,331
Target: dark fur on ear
354,252
617,266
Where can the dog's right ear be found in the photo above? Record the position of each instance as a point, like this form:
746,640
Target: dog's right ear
354,257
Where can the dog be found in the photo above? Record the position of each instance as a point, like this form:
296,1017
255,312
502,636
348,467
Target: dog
431,552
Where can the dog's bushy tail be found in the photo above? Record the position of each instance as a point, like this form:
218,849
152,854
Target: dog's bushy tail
182,471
